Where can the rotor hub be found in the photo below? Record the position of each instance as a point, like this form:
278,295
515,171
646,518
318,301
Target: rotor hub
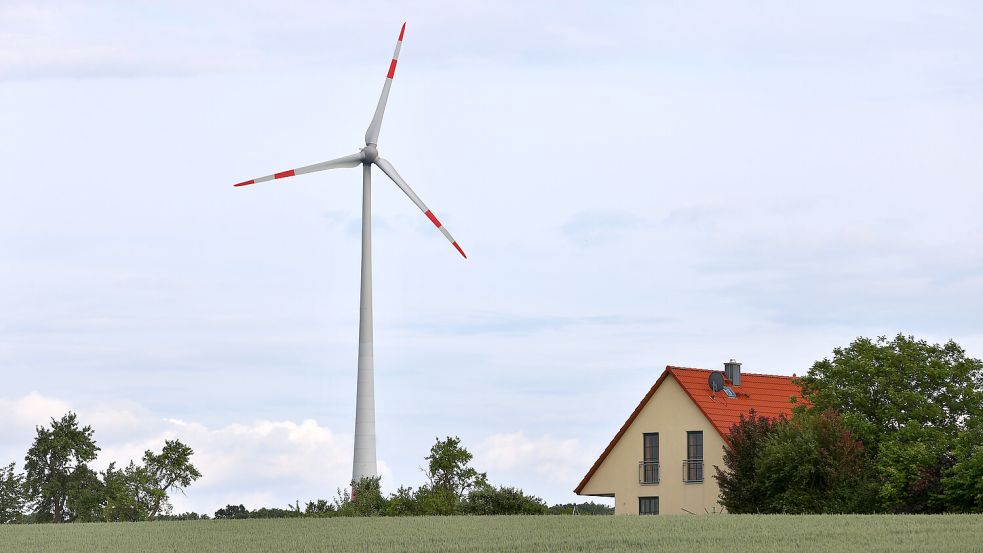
370,153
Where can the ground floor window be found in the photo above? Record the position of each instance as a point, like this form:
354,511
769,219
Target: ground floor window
648,505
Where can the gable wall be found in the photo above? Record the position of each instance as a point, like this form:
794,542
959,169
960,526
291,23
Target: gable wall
671,413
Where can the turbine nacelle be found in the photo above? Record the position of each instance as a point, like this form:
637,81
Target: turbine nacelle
369,154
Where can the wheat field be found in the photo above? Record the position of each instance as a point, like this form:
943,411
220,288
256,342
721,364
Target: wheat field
690,534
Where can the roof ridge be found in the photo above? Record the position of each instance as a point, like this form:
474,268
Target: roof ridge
674,367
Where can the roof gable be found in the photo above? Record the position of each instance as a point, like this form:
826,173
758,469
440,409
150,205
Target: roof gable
769,395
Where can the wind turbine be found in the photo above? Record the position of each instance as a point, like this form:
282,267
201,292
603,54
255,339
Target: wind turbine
364,458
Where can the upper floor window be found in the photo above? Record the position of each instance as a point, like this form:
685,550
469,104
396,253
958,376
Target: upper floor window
693,466
648,469
650,442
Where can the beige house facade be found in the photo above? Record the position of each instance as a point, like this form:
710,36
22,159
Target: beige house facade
662,460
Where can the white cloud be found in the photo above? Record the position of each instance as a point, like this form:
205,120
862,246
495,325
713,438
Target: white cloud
257,463
26,412
555,460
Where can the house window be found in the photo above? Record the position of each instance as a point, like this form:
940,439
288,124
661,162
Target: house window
649,467
693,470
648,505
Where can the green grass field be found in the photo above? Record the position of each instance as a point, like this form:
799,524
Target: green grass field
690,534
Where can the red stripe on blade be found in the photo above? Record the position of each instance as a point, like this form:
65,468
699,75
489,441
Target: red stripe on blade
289,173
460,250
244,183
401,31
392,70
430,216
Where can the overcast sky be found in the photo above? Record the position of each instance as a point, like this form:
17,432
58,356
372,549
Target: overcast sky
636,184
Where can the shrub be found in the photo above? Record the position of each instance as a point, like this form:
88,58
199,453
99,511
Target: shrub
488,500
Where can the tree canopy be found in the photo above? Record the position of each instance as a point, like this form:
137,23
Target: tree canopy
889,425
57,477
59,486
915,406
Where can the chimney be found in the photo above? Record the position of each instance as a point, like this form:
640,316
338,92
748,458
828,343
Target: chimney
732,370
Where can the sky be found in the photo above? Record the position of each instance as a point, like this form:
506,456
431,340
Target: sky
636,184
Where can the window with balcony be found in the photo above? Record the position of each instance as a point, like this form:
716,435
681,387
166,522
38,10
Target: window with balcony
648,469
693,465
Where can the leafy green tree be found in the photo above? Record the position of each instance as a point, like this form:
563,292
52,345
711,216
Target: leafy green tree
883,386
12,500
319,508
449,478
167,471
142,492
910,465
962,484
275,512
489,500
86,494
449,468
231,512
909,402
365,498
432,501
126,493
813,464
56,475
741,487
403,503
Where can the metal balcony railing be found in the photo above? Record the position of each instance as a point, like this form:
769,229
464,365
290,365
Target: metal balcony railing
693,470
648,472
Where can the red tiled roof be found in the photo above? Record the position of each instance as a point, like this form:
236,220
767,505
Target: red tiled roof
769,395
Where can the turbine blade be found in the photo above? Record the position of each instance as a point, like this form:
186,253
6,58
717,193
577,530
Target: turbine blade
347,161
372,134
390,171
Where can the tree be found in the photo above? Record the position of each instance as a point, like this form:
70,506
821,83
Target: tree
435,501
403,503
882,386
12,501
813,464
489,500
125,493
741,488
232,511
365,500
962,484
449,477
448,468
57,477
909,402
141,492
170,470
86,494
319,508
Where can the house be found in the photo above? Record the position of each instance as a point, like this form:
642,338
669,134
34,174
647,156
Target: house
662,460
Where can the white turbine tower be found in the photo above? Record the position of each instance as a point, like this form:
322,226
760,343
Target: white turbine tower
364,459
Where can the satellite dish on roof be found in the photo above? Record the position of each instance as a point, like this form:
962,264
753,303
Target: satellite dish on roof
716,381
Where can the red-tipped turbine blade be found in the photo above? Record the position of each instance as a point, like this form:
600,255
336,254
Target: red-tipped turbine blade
372,134
390,171
347,161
